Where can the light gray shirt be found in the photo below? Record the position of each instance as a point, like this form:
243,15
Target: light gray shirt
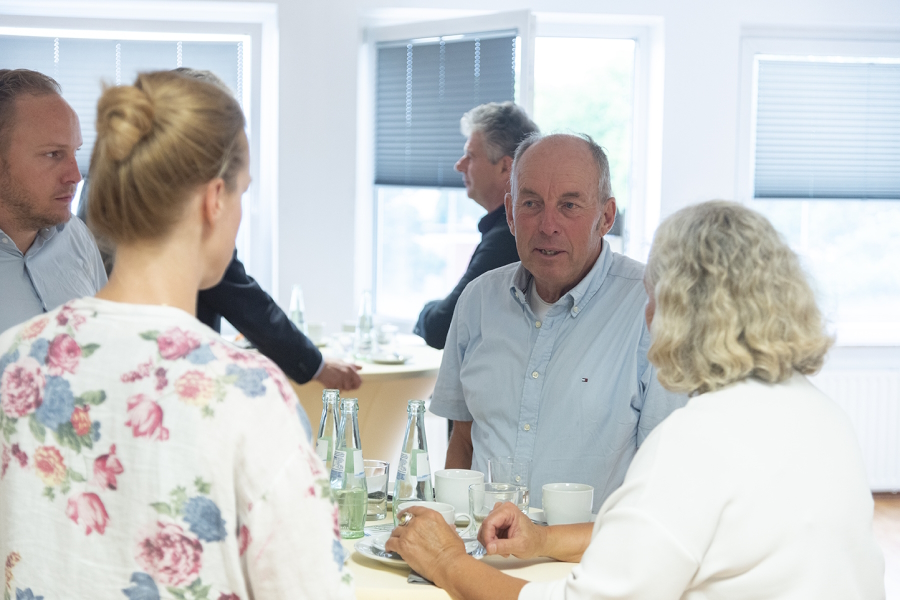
573,392
62,263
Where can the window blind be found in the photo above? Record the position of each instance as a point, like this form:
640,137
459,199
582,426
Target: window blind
83,66
827,129
423,88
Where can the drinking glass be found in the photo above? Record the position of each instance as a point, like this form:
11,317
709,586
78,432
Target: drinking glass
509,469
377,483
483,497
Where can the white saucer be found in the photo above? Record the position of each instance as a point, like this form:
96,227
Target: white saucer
388,359
373,547
537,514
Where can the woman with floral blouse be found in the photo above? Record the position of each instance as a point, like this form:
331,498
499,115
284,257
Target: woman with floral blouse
141,455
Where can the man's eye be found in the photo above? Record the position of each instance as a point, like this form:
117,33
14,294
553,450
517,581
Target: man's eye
569,205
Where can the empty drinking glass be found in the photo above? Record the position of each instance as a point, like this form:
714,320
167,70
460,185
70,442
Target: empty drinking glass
509,469
484,496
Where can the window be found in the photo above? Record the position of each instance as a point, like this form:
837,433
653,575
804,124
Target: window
424,227
820,160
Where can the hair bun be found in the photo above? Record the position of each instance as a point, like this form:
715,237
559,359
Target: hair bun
124,117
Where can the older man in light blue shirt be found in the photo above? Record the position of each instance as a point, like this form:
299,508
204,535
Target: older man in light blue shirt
47,256
546,359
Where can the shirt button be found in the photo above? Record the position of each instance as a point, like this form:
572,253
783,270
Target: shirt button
575,310
534,374
537,324
527,428
5,240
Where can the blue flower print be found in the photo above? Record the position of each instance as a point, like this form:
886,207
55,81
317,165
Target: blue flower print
205,520
144,588
201,355
250,381
27,594
337,553
95,431
39,350
9,357
58,403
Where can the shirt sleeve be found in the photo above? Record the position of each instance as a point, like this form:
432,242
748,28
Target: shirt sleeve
497,249
448,399
253,312
655,402
93,257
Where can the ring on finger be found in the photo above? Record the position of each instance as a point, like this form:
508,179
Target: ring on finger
404,519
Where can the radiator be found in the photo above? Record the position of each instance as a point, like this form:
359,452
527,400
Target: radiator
872,401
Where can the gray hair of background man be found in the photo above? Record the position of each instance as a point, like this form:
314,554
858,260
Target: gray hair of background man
605,187
503,124
15,83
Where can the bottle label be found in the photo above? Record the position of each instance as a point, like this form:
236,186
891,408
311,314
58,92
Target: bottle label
323,448
423,469
338,462
402,466
359,468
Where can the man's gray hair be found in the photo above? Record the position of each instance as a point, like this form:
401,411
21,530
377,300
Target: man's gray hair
15,83
604,185
504,125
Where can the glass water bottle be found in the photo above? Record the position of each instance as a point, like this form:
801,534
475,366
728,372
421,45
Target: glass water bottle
348,473
328,426
414,471
297,309
365,329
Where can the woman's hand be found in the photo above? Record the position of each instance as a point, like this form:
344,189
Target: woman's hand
508,531
427,544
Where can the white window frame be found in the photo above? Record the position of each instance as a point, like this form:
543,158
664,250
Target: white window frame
803,43
646,164
254,23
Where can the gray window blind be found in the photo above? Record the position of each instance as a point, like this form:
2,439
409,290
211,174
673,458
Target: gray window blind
827,129
422,90
82,66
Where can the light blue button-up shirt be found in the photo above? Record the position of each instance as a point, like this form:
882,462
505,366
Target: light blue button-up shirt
62,263
573,392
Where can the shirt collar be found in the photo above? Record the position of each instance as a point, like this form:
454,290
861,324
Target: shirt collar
489,220
579,295
43,235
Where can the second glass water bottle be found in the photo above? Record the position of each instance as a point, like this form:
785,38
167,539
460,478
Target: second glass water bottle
328,426
414,471
348,473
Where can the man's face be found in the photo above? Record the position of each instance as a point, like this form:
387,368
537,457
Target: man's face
38,172
556,215
486,182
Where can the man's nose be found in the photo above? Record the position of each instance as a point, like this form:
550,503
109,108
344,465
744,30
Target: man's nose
549,223
72,174
460,165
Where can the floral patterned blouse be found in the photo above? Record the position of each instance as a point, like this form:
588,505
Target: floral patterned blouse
144,457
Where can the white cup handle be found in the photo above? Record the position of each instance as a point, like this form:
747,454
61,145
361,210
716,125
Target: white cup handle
469,522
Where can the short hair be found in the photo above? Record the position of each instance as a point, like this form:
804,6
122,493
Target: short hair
604,186
504,125
732,302
157,140
15,83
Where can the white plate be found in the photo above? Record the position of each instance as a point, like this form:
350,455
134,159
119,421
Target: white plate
373,547
389,359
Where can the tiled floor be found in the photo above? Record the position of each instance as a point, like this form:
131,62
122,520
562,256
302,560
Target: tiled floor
887,530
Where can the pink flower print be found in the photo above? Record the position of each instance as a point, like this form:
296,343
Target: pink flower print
195,388
224,596
33,329
48,463
106,467
161,381
169,555
142,371
19,456
67,314
176,343
4,461
88,510
63,355
335,518
81,420
22,388
244,540
145,418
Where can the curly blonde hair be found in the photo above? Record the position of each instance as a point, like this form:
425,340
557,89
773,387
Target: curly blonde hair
731,302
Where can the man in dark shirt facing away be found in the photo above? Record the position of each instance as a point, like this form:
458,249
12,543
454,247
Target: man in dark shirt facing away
494,131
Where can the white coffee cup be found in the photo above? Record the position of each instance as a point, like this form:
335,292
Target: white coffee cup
447,511
567,502
452,486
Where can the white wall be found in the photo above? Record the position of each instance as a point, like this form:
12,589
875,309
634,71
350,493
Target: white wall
318,89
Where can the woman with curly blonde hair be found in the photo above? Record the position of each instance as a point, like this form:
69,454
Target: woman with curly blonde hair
755,489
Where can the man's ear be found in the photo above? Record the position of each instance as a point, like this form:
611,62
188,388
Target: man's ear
213,203
609,216
506,164
507,202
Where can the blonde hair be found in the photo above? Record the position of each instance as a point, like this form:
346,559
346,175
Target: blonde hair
157,140
731,302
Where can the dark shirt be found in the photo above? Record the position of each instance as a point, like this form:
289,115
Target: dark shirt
496,249
254,313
